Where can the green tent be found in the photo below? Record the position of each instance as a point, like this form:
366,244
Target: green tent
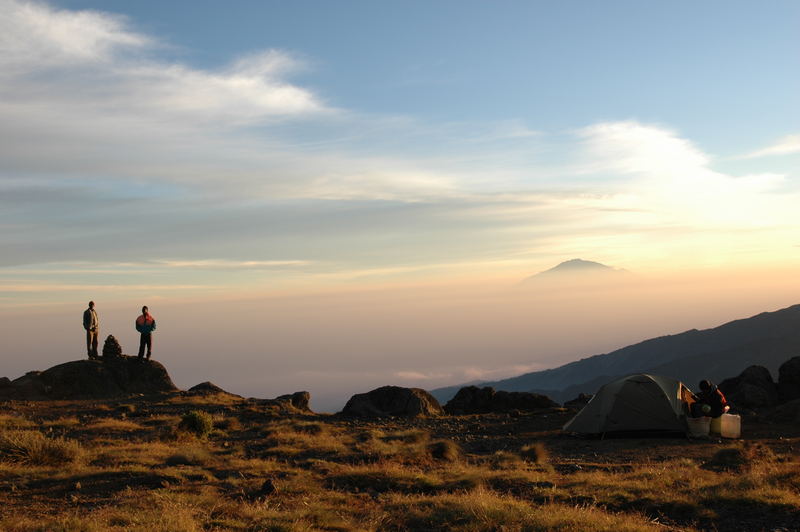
636,402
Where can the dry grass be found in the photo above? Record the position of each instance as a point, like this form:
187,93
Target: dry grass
111,424
15,422
257,472
193,455
481,509
34,448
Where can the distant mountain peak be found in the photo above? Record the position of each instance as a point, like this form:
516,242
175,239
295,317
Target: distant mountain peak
576,269
576,265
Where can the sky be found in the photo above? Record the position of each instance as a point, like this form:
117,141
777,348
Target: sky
313,190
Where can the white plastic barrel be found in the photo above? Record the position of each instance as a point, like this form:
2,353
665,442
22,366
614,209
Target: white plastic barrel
727,426
730,426
698,426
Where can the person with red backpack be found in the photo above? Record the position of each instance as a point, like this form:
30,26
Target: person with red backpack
145,324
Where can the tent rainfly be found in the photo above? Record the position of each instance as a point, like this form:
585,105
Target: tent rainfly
632,403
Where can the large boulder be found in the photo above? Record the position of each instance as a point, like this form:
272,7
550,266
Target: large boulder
789,380
393,401
470,400
474,400
753,388
92,379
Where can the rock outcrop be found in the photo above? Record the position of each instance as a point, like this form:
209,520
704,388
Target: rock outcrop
206,388
579,402
293,403
753,388
786,413
474,400
789,380
114,376
298,401
393,401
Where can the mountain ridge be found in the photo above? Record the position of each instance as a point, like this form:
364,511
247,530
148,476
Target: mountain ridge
767,339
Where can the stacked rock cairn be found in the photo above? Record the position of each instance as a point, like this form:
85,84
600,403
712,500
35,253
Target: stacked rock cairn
111,348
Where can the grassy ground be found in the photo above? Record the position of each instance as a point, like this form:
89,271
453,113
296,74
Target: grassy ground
182,463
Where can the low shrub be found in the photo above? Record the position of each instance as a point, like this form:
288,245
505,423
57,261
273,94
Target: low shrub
195,456
197,422
445,450
535,453
34,448
503,460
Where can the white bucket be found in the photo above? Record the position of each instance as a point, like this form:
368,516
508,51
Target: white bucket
698,426
727,426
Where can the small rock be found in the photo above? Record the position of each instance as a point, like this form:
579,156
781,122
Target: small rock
268,487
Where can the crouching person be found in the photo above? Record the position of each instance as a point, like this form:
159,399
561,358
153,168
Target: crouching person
710,401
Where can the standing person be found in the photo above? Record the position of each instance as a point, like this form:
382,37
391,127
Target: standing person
145,324
92,325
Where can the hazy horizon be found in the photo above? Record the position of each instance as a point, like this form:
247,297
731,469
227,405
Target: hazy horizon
336,196
338,344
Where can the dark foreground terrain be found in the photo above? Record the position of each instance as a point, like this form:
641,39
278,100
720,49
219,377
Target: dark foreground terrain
148,464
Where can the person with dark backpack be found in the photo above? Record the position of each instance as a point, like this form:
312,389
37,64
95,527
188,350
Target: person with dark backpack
145,324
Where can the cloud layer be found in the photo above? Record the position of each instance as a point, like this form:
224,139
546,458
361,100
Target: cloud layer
113,154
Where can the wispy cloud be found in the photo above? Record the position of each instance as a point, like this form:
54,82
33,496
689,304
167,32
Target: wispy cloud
222,264
35,36
494,372
107,68
419,376
784,146
38,286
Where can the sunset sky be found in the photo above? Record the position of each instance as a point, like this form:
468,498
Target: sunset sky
196,154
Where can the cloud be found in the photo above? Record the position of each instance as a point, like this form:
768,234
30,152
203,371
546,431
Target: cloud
784,146
419,376
634,148
494,372
223,264
671,181
111,151
40,286
36,36
57,60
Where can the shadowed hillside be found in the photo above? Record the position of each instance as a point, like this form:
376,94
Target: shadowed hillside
767,339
